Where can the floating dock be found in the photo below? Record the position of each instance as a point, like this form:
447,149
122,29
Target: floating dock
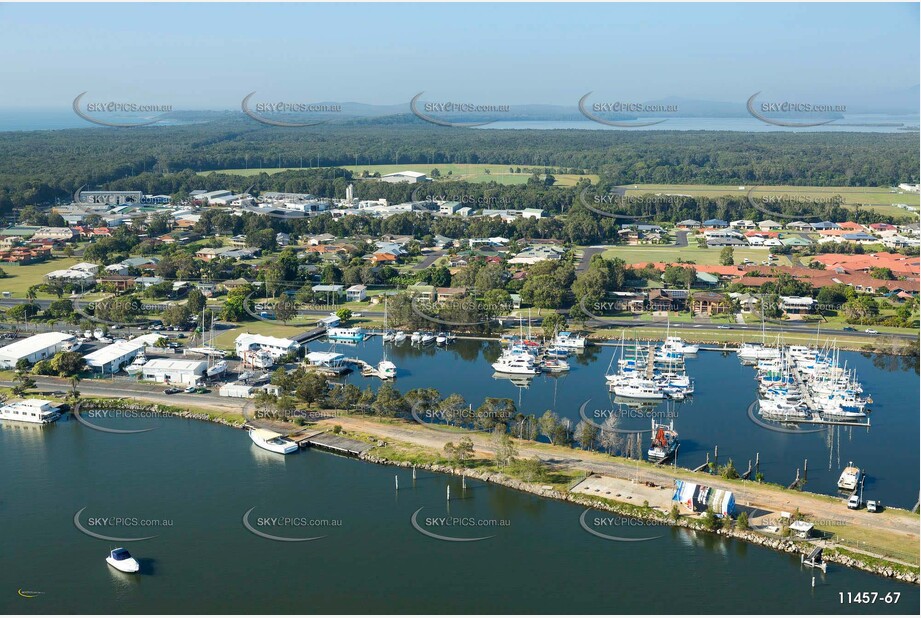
338,444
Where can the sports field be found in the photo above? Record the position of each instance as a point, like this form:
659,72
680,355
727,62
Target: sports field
21,278
642,254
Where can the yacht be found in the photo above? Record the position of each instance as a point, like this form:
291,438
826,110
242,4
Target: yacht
636,388
271,441
569,341
756,351
386,369
120,559
399,337
850,478
676,344
521,364
39,411
217,369
781,408
346,334
137,365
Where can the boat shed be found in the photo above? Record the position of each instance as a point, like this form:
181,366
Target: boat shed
35,348
112,358
169,371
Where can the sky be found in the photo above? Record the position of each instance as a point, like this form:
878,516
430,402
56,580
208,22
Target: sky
209,56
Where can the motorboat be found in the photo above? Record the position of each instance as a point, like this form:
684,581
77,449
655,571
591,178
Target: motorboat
346,334
121,560
386,369
557,352
399,337
556,365
569,341
271,441
850,478
427,338
388,336
416,337
636,388
137,365
677,344
38,411
780,408
521,364
756,351
441,339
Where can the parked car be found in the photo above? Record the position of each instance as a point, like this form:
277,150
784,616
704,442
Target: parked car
171,391
871,331
853,502
874,506
191,389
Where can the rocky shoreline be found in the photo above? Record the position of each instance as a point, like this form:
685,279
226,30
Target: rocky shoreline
651,515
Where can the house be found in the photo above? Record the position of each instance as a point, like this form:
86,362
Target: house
796,305
283,239
121,283
233,284
356,293
443,294
825,225
860,237
710,303
707,279
768,225
799,226
717,223
146,282
742,224
688,224
795,241
320,239
535,254
665,300
62,234
421,290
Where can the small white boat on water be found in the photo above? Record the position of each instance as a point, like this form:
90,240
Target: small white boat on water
121,560
441,339
849,478
677,344
399,337
569,341
427,338
636,388
386,369
271,441
387,336
416,337
556,365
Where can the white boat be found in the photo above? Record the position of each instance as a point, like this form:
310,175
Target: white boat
99,333
568,341
636,388
782,409
217,369
346,334
556,365
87,334
849,478
386,369
519,364
137,365
416,337
271,441
388,336
756,351
677,344
664,441
427,338
38,411
441,339
120,559
399,337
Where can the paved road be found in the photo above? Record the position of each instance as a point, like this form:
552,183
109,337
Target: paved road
587,254
428,260
681,238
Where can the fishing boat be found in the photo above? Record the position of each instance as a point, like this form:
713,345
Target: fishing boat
850,478
664,441
271,441
121,560
519,364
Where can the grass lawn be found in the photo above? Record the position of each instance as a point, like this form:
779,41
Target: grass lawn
880,199
642,254
479,172
21,278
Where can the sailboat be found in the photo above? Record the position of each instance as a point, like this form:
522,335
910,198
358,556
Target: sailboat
385,368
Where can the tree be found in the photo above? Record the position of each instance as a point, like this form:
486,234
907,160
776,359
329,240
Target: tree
729,471
344,315
505,448
23,382
549,422
68,364
742,521
285,309
709,520
461,452
586,435
726,256
552,324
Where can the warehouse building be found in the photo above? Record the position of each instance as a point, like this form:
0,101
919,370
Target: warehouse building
169,371
35,348
112,358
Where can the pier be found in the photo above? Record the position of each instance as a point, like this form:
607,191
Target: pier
331,442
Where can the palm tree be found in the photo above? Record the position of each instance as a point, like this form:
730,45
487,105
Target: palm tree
74,393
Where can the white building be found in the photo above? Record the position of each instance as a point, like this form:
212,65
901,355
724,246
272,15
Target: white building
35,348
170,371
113,357
356,293
275,347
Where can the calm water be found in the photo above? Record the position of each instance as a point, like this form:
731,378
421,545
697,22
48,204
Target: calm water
196,480
716,416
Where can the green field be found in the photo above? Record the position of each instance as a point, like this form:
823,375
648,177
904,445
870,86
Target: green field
641,254
449,171
880,199
21,278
